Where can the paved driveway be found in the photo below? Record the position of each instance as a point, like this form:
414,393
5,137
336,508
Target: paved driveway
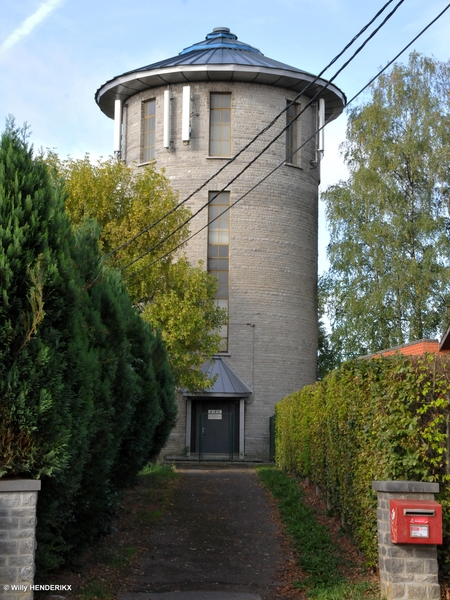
217,541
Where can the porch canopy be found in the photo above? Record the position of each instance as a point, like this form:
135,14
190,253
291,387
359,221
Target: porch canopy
227,384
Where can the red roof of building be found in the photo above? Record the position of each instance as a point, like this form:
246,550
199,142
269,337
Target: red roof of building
418,347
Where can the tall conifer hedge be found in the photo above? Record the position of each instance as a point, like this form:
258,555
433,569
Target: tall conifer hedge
86,395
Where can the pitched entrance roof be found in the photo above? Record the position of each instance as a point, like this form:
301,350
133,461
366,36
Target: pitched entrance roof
227,383
220,57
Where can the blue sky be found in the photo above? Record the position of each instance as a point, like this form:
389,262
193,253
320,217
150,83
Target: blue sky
54,54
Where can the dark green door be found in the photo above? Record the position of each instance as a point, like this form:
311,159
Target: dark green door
217,431
215,427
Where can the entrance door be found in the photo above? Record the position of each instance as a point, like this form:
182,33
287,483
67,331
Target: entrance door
215,427
216,431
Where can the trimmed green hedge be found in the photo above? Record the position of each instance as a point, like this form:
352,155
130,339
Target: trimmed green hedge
378,419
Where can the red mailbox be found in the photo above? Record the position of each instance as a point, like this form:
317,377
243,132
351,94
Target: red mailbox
416,522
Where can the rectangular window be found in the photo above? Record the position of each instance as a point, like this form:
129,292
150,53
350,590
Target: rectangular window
292,137
218,251
149,130
220,125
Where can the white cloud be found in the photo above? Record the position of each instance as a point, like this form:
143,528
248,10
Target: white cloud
29,24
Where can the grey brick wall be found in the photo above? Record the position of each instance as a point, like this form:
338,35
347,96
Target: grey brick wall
273,245
17,537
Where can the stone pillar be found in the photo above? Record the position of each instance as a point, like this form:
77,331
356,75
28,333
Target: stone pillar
407,571
18,499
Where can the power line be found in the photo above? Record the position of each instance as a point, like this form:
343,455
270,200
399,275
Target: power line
268,145
399,54
313,135
265,129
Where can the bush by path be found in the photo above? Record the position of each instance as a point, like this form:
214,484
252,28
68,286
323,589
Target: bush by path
86,395
378,419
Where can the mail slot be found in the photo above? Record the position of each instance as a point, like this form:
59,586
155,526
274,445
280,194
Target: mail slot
416,522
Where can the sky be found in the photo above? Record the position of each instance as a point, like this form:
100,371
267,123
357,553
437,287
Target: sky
54,55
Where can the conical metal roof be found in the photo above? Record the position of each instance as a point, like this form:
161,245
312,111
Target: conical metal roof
219,57
227,384
221,38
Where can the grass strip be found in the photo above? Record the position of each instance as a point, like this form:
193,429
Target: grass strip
317,554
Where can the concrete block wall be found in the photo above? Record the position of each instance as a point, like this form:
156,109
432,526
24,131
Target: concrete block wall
407,571
18,500
273,237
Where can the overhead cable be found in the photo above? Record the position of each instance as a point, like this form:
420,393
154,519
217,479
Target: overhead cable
313,135
266,128
266,147
399,54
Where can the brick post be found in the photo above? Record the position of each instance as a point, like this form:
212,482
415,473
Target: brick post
18,499
407,571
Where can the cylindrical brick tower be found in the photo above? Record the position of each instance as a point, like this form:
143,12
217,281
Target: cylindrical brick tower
192,114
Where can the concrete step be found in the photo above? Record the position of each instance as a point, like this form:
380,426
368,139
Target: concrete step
191,462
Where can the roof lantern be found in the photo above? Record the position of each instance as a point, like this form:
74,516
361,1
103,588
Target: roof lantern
217,30
221,37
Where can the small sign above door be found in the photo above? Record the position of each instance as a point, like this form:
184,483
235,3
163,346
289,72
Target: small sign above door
214,414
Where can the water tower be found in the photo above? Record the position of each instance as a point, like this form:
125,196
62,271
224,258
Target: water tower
191,114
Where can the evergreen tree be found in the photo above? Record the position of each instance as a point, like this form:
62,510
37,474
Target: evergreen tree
86,395
38,308
389,280
46,400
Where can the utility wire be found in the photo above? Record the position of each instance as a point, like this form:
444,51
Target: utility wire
299,148
268,145
399,54
260,133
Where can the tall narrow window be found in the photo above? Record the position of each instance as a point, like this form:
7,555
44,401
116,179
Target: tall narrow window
220,125
292,137
218,251
149,130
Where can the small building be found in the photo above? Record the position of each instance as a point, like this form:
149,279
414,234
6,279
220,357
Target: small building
192,114
426,346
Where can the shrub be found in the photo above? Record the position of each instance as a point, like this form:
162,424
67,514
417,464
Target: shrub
378,419
86,395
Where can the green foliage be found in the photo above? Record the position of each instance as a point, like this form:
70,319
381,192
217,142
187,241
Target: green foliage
122,369
318,555
86,393
37,309
378,419
174,296
389,281
188,319
158,473
312,540
347,591
104,567
327,357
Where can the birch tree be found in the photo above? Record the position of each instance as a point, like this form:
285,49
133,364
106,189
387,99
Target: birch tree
389,251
